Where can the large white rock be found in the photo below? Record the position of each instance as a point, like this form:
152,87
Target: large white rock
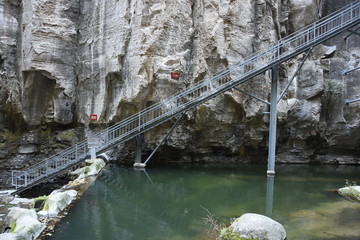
16,213
8,236
24,224
256,226
56,202
93,169
351,192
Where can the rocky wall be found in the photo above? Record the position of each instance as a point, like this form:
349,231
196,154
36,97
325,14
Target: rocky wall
10,89
48,51
61,61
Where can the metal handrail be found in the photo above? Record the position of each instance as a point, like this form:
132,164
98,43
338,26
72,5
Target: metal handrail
198,93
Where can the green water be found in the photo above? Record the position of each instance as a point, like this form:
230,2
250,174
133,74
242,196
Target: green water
171,203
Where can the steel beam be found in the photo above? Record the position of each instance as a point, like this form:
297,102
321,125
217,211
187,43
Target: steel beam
163,140
345,72
273,116
296,72
352,32
351,101
251,95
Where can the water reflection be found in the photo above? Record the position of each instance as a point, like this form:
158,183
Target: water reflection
167,203
269,195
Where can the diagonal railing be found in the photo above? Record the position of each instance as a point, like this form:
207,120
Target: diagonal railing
196,94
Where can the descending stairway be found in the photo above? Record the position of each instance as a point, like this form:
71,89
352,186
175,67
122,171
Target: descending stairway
193,96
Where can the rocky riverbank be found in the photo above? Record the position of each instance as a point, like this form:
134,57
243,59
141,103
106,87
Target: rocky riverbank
35,217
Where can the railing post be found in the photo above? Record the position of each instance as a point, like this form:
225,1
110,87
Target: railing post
46,167
314,26
139,121
12,179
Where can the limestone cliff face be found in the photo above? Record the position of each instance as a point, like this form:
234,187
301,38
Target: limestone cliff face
62,60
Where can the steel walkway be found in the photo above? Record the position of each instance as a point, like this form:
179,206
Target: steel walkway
195,95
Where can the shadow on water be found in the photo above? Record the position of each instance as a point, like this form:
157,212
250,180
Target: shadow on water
168,203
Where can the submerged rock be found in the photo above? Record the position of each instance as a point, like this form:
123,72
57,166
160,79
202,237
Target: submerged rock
351,193
332,220
254,226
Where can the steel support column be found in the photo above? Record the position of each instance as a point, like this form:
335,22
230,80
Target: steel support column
273,116
93,153
139,141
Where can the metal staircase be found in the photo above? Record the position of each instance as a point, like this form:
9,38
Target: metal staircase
195,95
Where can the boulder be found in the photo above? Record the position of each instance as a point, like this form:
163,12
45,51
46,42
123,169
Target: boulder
28,149
68,136
24,224
56,202
351,193
93,169
255,227
8,236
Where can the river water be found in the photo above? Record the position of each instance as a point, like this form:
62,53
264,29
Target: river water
171,203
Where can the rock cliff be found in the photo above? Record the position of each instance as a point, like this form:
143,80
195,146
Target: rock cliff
62,60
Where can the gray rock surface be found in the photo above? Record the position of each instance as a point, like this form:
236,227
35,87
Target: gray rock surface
28,148
259,227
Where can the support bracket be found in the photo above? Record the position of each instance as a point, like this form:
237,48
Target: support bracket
347,102
352,32
251,95
143,165
345,72
294,75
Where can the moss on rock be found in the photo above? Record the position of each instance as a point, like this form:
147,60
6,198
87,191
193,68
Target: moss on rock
229,234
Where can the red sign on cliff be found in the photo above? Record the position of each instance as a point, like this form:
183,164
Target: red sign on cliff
175,75
93,117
